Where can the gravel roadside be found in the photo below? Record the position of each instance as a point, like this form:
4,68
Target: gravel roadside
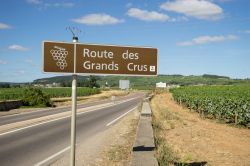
111,147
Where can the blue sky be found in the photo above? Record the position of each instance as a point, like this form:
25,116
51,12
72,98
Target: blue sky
193,37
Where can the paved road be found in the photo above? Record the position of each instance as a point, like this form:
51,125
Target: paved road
32,145
37,114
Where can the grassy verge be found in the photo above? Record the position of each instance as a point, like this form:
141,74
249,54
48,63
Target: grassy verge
163,120
121,154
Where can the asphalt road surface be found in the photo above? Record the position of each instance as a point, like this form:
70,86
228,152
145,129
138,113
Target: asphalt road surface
32,145
50,111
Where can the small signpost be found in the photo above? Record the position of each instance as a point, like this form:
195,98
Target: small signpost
124,84
78,58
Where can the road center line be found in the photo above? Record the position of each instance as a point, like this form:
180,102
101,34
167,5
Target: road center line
113,121
53,156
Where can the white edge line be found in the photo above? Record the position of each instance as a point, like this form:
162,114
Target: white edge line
49,109
12,131
42,109
53,156
113,121
64,150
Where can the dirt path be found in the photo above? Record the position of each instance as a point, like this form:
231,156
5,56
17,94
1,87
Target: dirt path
201,140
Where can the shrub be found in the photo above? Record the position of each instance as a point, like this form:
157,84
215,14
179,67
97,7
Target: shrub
35,97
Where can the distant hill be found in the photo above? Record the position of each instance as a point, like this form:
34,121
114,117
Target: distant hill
11,84
214,76
145,81
57,79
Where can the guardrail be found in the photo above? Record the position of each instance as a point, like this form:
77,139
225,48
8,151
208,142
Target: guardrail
8,105
143,150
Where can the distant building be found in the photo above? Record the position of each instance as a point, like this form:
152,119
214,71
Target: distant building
124,84
54,84
161,85
38,85
172,86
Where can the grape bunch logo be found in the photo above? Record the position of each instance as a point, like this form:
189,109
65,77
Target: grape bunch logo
59,54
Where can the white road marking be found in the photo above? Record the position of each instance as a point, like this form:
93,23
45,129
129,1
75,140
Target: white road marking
48,109
24,113
113,121
68,148
53,156
12,131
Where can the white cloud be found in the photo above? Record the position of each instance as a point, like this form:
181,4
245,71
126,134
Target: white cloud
147,15
35,2
4,26
222,1
201,9
2,62
97,19
247,31
207,39
29,61
16,47
63,4
178,19
129,4
43,5
20,72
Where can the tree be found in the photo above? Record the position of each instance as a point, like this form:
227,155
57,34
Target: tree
4,85
92,82
35,97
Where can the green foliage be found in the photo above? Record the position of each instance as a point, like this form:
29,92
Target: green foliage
228,103
17,93
92,82
66,81
149,82
35,97
66,92
4,85
144,82
214,76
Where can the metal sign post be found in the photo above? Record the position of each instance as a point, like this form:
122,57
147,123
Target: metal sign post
78,58
73,116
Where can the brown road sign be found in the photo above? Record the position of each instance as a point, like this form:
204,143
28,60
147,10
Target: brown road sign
99,59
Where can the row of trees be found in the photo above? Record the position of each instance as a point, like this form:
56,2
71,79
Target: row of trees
8,85
90,82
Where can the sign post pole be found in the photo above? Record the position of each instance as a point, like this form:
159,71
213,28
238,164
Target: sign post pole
73,116
77,58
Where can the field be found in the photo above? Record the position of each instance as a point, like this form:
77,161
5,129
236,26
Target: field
228,103
184,138
17,93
